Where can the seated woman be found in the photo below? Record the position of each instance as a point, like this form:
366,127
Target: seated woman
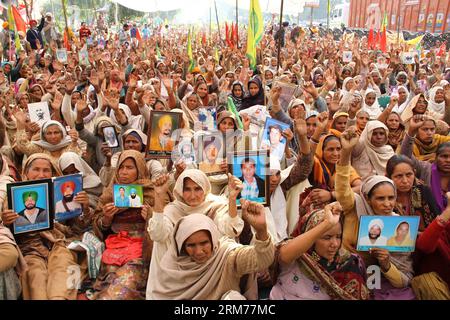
371,104
190,104
372,152
393,122
71,163
427,141
315,266
46,252
53,141
437,107
255,94
339,123
377,197
202,265
413,197
132,139
417,106
433,258
436,175
192,194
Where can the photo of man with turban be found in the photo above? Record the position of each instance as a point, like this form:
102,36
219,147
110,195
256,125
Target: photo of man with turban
161,139
134,199
32,214
374,237
211,159
67,204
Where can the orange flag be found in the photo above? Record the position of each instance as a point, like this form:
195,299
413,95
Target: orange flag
20,23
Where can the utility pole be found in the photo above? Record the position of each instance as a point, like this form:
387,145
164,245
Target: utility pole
279,39
237,24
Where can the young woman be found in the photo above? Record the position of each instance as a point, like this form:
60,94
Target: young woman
377,197
427,141
113,224
315,266
255,94
417,106
200,265
371,104
192,194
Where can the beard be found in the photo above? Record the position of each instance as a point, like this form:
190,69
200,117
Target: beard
30,207
133,196
374,236
68,198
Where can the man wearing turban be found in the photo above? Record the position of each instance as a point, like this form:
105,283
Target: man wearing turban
161,140
135,200
66,204
374,237
31,214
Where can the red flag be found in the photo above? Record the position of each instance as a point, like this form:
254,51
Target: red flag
20,23
383,35
204,39
227,34
371,40
234,34
138,35
67,40
442,50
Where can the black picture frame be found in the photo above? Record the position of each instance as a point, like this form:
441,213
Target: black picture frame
153,152
211,139
15,192
262,166
116,138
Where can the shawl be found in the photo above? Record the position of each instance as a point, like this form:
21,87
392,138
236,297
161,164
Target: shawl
441,199
408,113
438,108
183,278
237,100
66,140
321,176
362,206
5,179
90,178
179,208
138,134
396,137
374,110
425,152
115,84
56,171
134,121
400,108
378,156
344,90
257,99
192,115
344,278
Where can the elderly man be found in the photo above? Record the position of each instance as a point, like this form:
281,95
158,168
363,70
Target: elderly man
162,141
34,33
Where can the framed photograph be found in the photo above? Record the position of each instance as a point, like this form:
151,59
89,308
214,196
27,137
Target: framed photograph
408,57
64,190
128,196
83,57
393,233
39,112
207,117
347,56
163,134
184,151
288,90
210,153
61,55
253,169
110,136
32,201
273,138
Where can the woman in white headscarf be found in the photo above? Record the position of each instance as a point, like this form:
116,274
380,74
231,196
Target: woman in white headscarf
192,194
372,152
54,140
436,103
217,272
403,100
371,104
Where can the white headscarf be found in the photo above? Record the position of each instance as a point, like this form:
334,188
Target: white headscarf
374,110
400,108
65,141
134,121
438,108
90,178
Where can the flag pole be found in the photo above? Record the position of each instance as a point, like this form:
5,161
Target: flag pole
279,40
328,14
217,18
237,25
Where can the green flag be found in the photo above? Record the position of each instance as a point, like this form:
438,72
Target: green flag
232,108
12,26
158,52
255,31
216,55
189,52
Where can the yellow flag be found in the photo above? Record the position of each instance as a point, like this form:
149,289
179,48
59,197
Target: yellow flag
255,31
415,41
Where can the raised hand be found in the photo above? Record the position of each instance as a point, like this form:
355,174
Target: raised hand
8,217
333,212
57,101
322,121
415,123
235,186
70,85
349,139
383,257
73,136
161,184
254,214
275,93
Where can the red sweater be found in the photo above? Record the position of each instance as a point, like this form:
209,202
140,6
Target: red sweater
433,248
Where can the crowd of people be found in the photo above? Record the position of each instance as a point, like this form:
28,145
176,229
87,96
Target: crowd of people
368,136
